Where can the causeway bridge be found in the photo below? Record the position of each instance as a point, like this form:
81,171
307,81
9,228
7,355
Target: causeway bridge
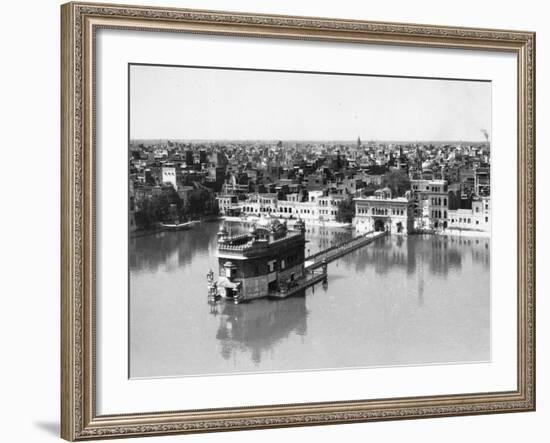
317,260
316,264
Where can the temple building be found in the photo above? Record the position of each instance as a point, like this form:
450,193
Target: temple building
266,260
381,212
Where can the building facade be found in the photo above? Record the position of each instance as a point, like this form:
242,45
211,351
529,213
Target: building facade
476,219
431,204
226,203
169,175
317,208
269,258
381,212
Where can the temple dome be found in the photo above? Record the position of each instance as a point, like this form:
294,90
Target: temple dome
268,223
263,222
223,230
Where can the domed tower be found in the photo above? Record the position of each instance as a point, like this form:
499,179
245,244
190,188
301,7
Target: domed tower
300,225
223,235
253,231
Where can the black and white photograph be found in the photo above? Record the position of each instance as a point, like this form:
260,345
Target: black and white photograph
287,221
277,221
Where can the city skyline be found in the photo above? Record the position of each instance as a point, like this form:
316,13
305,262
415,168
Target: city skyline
183,103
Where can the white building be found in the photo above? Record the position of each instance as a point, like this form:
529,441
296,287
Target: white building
318,207
159,154
381,212
431,203
226,203
328,207
476,219
169,175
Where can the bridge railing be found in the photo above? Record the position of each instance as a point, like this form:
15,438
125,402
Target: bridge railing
338,246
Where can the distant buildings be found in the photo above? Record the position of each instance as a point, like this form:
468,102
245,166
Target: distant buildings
310,181
438,208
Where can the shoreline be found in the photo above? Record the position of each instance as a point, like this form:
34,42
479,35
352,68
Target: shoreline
328,224
441,233
453,233
158,229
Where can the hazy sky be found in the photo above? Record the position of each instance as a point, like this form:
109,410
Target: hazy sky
195,103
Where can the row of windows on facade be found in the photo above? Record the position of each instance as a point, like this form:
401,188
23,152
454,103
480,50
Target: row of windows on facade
381,211
467,220
322,202
327,202
433,188
287,210
437,201
437,214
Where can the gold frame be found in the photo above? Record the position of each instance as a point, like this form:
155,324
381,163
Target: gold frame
78,24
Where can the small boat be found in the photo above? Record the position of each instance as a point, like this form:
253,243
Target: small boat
177,226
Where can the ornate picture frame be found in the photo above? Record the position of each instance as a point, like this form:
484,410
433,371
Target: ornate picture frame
80,22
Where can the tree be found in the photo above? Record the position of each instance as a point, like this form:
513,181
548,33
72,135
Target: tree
346,211
398,181
144,216
157,208
368,190
199,202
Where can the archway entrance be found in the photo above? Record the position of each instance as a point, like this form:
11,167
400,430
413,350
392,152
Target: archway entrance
379,225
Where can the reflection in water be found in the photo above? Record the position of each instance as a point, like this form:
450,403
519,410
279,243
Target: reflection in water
175,249
398,301
259,325
440,254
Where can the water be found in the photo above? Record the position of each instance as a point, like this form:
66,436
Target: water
398,301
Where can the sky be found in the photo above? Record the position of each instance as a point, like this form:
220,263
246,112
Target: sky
218,104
